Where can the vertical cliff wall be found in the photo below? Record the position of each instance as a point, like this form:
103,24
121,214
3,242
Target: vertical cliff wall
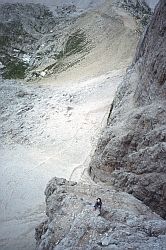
131,154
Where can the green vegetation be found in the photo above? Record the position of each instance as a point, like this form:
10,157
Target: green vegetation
15,69
12,33
4,40
53,66
60,55
76,44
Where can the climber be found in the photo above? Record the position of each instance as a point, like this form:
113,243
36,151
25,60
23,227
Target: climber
98,204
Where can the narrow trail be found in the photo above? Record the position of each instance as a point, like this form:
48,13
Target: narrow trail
84,177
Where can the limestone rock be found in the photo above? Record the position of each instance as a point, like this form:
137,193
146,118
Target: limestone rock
72,224
131,153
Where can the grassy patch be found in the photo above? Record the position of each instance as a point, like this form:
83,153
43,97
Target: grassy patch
76,43
15,69
4,40
53,66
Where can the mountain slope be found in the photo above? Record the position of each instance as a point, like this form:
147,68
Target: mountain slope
46,44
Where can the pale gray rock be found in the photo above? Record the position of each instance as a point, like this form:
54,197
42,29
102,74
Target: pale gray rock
124,223
152,3
131,154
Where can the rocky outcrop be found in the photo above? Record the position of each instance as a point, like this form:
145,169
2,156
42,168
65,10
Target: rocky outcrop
124,222
131,154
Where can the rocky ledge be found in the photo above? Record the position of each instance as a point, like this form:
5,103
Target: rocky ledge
124,222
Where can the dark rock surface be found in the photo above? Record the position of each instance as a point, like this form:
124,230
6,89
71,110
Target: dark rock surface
124,223
131,154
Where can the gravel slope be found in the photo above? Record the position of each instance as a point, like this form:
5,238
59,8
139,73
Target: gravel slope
46,130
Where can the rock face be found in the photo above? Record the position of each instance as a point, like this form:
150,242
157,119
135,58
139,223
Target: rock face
124,222
131,154
152,3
